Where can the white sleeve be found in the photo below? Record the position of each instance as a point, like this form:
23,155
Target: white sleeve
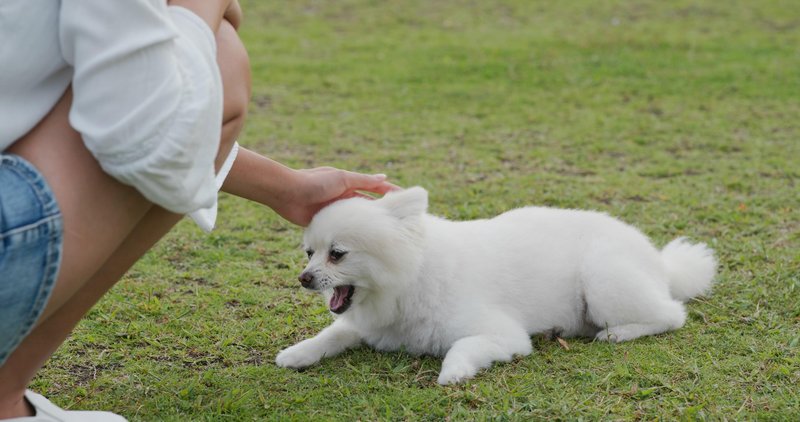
147,96
206,218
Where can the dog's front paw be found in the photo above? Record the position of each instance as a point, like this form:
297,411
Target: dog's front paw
455,371
299,356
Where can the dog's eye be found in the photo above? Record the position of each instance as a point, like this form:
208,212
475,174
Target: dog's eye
336,255
310,253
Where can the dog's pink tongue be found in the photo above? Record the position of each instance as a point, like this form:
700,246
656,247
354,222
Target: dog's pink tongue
338,298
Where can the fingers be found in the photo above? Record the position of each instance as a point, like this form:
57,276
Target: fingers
375,183
391,187
356,194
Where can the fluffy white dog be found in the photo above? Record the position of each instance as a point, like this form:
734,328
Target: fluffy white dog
474,291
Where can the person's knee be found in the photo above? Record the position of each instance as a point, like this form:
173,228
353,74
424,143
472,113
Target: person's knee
234,67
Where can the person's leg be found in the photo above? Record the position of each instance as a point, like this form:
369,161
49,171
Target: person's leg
135,224
234,65
98,211
37,347
42,342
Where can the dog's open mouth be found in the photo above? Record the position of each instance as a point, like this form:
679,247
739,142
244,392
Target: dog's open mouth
340,300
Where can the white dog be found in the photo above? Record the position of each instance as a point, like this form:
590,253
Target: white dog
475,291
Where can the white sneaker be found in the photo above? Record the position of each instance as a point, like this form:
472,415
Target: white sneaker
48,412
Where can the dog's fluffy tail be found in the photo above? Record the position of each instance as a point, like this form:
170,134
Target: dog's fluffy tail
690,268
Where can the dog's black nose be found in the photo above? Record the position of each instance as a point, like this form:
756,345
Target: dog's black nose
306,279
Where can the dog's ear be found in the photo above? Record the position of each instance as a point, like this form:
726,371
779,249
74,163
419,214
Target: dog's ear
406,203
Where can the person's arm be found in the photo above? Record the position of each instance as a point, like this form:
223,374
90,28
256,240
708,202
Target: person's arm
296,195
148,94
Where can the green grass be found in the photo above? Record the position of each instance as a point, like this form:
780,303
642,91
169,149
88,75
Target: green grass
680,117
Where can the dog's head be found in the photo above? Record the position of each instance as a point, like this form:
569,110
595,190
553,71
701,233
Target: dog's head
361,251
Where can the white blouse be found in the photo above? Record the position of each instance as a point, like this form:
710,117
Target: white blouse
147,89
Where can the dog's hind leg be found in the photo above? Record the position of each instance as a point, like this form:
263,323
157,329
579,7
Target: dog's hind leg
627,332
628,302
470,354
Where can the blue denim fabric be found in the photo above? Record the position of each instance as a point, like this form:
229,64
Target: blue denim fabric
30,249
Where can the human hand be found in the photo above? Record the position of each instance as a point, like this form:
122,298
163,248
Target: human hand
297,195
313,189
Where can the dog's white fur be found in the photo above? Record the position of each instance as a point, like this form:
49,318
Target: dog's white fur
475,291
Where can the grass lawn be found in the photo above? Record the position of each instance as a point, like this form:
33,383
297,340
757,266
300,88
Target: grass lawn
680,117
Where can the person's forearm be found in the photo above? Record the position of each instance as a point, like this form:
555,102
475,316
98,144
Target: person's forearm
297,195
210,11
259,178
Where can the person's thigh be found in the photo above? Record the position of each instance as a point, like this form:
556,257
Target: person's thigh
98,212
30,249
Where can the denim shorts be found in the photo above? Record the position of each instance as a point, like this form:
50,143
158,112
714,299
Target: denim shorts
30,249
